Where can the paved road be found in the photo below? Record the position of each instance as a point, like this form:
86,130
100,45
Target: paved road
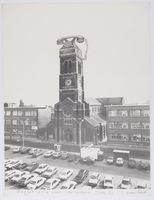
101,167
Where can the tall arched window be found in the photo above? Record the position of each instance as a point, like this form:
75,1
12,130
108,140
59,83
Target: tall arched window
70,67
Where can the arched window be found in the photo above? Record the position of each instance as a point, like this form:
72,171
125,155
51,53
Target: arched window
70,67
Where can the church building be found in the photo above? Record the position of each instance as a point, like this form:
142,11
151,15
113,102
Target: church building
77,121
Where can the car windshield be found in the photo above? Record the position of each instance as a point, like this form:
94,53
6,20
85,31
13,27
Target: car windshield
40,167
108,181
17,175
47,183
125,182
32,182
93,177
23,179
49,170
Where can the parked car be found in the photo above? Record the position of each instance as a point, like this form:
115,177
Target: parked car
41,168
100,156
25,179
119,161
65,174
12,164
125,183
71,158
21,165
32,150
37,153
81,176
17,177
141,185
25,150
7,147
48,154
107,182
51,184
131,163
32,166
87,160
94,179
69,185
64,155
35,183
56,154
143,165
49,172
10,174
110,160
16,149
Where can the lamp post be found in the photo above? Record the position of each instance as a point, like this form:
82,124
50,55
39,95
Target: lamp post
23,131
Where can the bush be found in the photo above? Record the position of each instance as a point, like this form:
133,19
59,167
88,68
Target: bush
131,163
143,165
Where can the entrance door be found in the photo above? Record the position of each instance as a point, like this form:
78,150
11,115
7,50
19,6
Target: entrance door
68,137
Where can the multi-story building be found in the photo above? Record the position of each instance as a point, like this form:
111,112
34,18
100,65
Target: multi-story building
27,119
128,125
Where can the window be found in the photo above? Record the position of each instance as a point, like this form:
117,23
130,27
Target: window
136,138
146,125
8,113
119,137
33,123
136,125
27,113
135,113
123,113
14,113
112,113
20,113
79,67
145,138
68,121
118,125
14,122
145,113
124,125
7,121
27,122
33,113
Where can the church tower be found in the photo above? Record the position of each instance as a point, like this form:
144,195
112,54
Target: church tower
70,110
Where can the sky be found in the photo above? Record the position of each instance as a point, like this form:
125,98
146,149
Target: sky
118,59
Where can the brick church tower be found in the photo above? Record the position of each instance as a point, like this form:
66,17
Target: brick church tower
70,110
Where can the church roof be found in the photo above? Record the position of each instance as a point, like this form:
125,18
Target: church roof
94,120
111,101
92,101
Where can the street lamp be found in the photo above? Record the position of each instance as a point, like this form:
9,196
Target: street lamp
23,130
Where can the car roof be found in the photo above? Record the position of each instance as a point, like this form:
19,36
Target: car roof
108,177
51,168
95,174
52,179
126,178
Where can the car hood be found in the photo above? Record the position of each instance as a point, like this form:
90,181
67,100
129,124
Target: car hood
108,184
123,186
93,181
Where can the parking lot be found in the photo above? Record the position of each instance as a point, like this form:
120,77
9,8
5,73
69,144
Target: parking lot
100,166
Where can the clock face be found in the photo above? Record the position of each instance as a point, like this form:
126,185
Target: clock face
67,110
68,82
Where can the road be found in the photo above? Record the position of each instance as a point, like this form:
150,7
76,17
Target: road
99,166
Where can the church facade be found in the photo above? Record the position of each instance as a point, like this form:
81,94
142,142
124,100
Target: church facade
76,121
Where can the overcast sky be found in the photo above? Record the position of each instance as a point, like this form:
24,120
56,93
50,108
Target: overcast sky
118,62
